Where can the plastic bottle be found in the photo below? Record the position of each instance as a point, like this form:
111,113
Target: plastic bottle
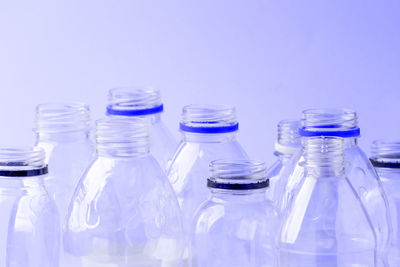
124,211
385,157
326,223
29,222
361,174
237,225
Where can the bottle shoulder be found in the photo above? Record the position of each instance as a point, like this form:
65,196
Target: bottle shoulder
326,204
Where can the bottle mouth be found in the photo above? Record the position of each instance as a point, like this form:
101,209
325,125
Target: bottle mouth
22,162
288,137
209,119
62,117
385,154
122,136
238,175
329,122
134,101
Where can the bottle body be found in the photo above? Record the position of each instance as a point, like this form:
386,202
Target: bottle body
237,225
391,183
385,157
124,213
335,230
326,223
359,171
29,223
69,158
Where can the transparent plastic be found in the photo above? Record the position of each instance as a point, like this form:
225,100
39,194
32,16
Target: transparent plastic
63,131
29,223
237,225
145,103
385,156
209,133
326,223
124,211
361,174
287,144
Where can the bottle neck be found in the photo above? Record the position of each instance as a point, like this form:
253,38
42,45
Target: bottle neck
284,158
60,137
122,138
238,196
209,138
122,151
22,185
151,118
350,142
324,156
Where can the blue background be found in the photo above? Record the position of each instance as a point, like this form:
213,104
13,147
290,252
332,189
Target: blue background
270,59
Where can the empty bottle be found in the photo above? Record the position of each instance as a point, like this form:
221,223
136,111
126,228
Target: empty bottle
124,211
63,131
288,143
29,223
209,133
361,174
326,223
144,103
385,157
237,225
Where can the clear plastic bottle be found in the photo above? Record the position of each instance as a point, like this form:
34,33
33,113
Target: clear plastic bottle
361,174
326,223
29,222
63,131
287,144
385,157
209,133
237,225
124,211
145,103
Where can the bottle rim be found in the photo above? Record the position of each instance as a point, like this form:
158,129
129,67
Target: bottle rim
134,101
22,162
237,174
62,117
209,119
385,154
335,122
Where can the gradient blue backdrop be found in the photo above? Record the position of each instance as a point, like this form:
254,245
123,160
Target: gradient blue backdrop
270,59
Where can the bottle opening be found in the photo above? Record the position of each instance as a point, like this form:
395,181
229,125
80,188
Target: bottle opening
122,137
329,122
238,175
22,162
209,119
288,137
385,154
134,101
62,117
